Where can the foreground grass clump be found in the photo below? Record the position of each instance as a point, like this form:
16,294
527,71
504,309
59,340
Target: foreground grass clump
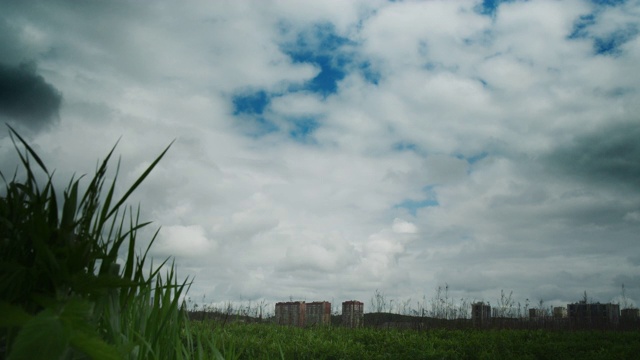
269,341
63,292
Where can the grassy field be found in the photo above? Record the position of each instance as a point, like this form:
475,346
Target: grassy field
269,341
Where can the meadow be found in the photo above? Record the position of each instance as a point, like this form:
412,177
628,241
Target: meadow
270,341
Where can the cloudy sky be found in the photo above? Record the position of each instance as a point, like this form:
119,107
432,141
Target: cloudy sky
326,149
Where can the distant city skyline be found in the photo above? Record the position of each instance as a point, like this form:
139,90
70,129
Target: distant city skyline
441,305
481,314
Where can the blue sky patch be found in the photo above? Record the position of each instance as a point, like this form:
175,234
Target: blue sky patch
608,2
320,37
321,46
302,128
475,158
490,7
413,205
405,146
252,103
580,26
610,44
249,108
318,45
326,82
369,73
483,38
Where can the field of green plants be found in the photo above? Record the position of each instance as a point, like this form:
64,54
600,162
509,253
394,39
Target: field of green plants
270,341
73,284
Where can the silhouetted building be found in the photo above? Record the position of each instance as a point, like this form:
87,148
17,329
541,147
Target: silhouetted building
318,313
630,314
595,313
535,314
290,313
559,312
352,313
480,313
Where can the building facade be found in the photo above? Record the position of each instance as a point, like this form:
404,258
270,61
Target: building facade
352,314
559,312
480,313
535,314
318,313
595,313
630,314
291,313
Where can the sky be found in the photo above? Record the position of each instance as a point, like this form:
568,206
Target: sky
326,150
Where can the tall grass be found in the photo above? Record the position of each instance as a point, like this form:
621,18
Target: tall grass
270,341
63,292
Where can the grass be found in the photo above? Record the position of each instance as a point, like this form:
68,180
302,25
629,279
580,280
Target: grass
270,341
65,290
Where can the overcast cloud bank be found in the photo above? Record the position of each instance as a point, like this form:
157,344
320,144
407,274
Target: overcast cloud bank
326,149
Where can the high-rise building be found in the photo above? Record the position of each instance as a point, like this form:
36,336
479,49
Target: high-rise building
352,314
480,313
318,313
291,313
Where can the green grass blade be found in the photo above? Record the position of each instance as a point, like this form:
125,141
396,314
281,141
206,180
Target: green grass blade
29,149
139,180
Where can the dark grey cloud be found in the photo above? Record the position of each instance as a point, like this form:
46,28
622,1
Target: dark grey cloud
610,155
26,98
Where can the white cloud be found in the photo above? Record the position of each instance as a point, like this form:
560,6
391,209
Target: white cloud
468,111
633,216
184,241
404,227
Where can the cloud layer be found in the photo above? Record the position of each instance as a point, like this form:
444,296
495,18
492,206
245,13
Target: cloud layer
328,149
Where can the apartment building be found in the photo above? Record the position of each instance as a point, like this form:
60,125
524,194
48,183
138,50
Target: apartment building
352,314
318,313
291,313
